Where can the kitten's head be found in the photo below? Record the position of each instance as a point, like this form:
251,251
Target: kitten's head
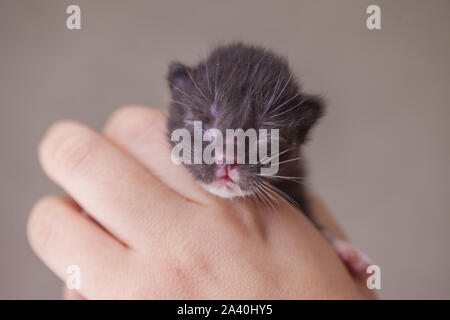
242,87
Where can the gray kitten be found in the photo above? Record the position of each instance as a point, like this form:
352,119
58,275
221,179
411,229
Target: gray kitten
241,87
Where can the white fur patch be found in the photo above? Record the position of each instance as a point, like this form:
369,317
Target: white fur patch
229,191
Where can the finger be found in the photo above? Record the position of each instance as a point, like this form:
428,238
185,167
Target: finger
117,191
142,132
71,294
321,214
361,284
75,248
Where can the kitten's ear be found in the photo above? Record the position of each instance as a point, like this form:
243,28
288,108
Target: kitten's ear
178,75
312,110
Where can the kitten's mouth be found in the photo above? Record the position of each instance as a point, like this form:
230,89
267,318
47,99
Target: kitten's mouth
227,177
225,184
224,188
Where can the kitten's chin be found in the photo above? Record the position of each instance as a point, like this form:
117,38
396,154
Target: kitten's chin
225,190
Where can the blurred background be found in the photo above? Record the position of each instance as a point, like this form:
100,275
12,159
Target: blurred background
380,157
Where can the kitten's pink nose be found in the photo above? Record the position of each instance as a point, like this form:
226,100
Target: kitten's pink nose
224,169
228,172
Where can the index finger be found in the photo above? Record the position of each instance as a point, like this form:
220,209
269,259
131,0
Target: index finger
142,132
116,190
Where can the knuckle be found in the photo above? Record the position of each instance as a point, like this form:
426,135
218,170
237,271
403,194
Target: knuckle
132,122
75,151
126,111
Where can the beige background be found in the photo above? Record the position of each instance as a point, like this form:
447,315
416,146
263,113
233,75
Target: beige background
380,158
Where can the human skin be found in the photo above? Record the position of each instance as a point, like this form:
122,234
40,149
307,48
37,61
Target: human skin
154,234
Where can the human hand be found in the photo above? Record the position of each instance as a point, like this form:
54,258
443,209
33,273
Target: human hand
158,235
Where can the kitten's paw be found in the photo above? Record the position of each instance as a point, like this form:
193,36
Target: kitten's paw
355,260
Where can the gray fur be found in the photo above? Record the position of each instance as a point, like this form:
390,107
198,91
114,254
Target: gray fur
243,86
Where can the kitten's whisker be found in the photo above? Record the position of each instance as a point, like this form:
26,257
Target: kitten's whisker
215,80
257,65
287,101
282,193
190,98
268,191
182,103
207,76
285,161
298,104
280,177
274,156
275,123
258,195
290,179
195,84
272,96
263,196
282,90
